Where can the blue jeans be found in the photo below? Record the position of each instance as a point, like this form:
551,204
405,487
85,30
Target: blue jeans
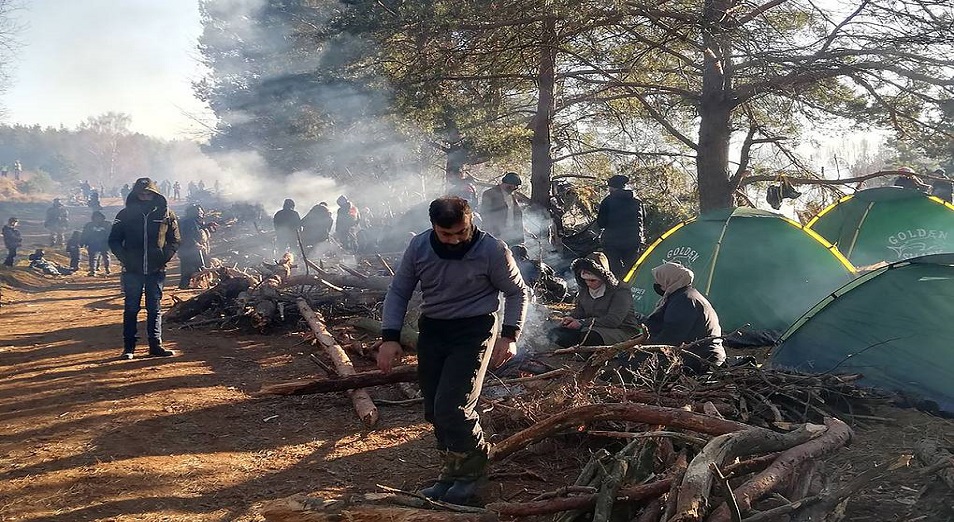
134,285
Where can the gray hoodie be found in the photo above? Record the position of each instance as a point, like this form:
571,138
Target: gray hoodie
457,288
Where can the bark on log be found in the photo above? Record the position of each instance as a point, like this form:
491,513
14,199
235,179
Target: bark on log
557,505
336,384
299,508
697,482
363,404
226,290
373,326
930,454
837,435
642,413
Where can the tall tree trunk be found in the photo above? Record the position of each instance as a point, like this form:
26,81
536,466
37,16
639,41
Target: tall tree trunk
541,163
715,112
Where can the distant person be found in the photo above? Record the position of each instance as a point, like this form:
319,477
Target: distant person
943,189
500,211
144,237
194,249
38,261
57,221
346,224
95,238
165,187
12,240
316,225
73,250
909,180
17,170
93,201
603,312
4,170
192,188
620,215
85,188
217,187
461,186
176,191
124,191
287,223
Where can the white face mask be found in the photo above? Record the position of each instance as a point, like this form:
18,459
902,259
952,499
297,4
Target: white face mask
598,292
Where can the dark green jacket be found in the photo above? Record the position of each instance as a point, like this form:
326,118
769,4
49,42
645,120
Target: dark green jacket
145,235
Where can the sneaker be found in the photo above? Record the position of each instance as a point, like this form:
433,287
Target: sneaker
126,356
91,273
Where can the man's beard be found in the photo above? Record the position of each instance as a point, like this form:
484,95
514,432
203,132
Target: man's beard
462,245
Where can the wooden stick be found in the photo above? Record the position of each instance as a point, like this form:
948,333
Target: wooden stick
642,413
348,382
930,453
685,437
384,263
556,505
363,404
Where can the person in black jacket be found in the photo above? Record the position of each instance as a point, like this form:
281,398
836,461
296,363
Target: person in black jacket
12,240
287,222
57,221
621,218
73,245
316,225
144,237
95,238
195,243
682,316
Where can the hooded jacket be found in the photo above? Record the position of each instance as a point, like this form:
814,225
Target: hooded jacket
316,225
145,235
287,219
621,218
96,235
611,315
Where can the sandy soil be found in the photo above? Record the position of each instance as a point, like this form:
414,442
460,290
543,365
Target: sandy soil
85,436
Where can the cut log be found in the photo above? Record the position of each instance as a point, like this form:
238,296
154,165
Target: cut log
932,454
641,413
363,404
557,505
400,374
299,508
233,284
837,435
697,482
373,327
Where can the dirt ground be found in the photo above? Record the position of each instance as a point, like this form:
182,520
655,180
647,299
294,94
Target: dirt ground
85,436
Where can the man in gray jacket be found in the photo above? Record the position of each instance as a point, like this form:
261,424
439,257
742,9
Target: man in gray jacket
462,271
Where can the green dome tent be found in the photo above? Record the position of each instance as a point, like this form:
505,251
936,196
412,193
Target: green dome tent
756,267
887,224
893,325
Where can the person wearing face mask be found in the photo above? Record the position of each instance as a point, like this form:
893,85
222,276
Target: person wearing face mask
684,315
603,313
500,212
461,271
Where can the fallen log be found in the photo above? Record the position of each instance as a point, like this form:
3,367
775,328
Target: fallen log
557,505
837,435
641,413
697,482
227,289
373,327
299,508
932,454
363,404
344,383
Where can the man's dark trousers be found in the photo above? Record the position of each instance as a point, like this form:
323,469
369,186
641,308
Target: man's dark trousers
134,286
11,256
621,258
453,355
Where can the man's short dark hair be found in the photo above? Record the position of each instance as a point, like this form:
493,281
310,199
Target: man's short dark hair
448,211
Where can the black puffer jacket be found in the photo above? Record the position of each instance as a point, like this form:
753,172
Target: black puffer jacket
145,235
11,237
621,218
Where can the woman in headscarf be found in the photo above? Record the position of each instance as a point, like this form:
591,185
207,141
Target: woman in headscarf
604,309
684,315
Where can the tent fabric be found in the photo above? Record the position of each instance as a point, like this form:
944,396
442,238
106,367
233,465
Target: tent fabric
887,224
893,325
757,268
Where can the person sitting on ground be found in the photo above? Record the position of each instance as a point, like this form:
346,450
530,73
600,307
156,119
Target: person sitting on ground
682,316
943,189
539,276
603,313
39,262
909,181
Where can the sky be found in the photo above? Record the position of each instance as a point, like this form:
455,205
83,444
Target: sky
81,58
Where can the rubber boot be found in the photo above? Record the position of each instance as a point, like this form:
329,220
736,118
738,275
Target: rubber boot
471,476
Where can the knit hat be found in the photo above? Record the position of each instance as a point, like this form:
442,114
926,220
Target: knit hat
618,181
511,178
